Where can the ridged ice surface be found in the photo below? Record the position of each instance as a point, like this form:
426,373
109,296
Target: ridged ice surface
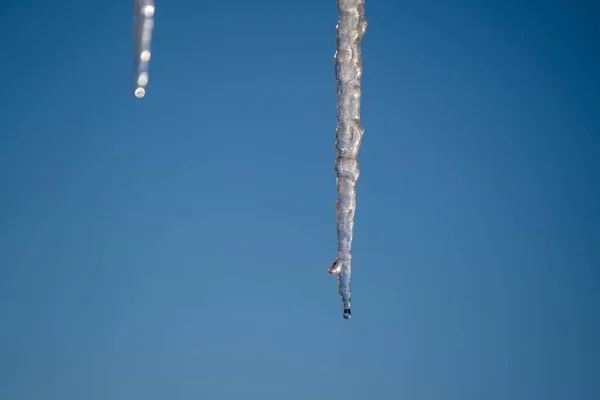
348,70
143,16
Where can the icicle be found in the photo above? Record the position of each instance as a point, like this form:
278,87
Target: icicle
348,70
143,11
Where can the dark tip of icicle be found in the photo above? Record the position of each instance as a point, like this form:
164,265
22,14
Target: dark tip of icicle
347,313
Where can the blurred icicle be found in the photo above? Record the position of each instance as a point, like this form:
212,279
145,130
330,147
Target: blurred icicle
143,16
348,70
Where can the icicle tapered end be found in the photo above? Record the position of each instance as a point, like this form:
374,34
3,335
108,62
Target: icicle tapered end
344,286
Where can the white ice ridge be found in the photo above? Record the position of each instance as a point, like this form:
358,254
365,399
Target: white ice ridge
143,16
348,70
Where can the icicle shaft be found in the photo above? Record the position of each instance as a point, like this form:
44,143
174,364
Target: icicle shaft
143,15
348,70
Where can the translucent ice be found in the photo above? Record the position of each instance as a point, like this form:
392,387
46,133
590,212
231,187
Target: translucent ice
348,70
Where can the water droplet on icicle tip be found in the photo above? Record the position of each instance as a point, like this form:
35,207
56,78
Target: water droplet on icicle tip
139,92
347,313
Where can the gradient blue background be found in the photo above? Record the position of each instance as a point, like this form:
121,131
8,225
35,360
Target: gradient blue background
176,247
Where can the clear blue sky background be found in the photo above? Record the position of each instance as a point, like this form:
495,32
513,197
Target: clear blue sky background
176,247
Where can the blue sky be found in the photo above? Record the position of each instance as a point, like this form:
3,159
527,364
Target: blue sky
176,247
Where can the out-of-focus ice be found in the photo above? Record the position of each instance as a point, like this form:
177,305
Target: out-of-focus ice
143,15
348,70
